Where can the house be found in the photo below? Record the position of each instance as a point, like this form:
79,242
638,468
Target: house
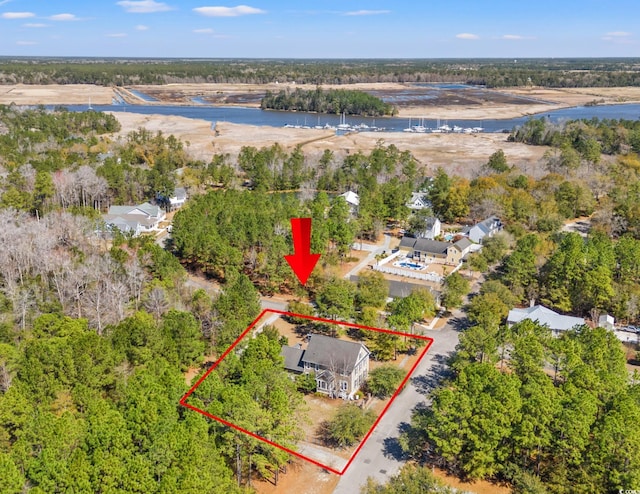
178,198
147,215
353,200
426,250
546,317
127,226
486,228
341,367
432,228
607,322
418,201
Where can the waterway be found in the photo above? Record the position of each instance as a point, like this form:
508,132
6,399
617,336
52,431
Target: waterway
255,116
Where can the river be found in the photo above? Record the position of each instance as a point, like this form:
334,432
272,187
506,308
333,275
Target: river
255,116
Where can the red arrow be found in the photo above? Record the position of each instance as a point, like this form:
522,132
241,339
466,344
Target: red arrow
303,261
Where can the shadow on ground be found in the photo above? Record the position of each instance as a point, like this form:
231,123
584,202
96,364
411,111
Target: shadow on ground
425,383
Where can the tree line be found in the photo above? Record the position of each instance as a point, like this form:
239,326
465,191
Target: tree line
335,101
490,72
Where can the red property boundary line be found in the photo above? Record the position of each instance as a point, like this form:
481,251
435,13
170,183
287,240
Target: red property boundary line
183,400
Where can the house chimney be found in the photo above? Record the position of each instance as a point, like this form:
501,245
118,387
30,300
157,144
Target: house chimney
532,302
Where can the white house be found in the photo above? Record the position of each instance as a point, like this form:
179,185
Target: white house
486,228
353,200
178,198
418,201
607,322
546,317
148,217
341,367
432,228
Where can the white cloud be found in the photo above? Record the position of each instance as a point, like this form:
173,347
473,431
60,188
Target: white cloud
26,43
206,30
34,24
618,34
64,17
143,6
17,15
117,35
367,12
516,36
467,36
228,11
142,27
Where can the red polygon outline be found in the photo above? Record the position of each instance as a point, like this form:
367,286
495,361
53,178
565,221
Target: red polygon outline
183,400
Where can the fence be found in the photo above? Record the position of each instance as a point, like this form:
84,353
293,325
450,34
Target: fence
409,274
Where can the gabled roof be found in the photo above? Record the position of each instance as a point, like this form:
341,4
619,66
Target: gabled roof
333,354
430,222
123,224
351,198
431,246
292,358
180,193
408,242
544,316
141,209
462,244
129,218
490,222
150,209
418,200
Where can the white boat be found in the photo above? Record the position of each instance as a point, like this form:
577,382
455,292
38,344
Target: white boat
343,125
420,128
408,129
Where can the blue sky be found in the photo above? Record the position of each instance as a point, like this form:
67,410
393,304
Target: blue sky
328,29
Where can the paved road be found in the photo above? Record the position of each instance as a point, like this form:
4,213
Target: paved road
380,457
370,257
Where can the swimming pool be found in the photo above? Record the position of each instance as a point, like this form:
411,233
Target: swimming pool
409,265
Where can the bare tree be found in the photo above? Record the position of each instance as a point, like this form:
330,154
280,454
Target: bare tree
156,302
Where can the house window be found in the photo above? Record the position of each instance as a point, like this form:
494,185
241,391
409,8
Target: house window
322,384
344,385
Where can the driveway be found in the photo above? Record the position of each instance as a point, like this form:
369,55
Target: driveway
372,255
381,456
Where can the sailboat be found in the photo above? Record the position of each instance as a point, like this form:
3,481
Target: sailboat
343,125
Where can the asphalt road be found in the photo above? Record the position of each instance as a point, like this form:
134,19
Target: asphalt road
381,457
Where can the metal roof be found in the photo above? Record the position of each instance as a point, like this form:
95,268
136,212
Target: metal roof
544,316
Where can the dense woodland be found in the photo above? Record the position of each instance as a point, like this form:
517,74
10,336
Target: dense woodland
606,72
560,415
335,101
96,333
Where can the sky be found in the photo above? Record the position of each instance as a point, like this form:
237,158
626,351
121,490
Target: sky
321,29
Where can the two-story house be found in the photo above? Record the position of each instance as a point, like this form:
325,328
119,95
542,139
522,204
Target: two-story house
341,367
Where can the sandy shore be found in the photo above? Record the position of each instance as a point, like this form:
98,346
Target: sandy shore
54,94
498,105
461,154
195,133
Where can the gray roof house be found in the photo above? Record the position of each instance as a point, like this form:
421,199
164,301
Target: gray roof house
418,201
546,317
178,198
148,215
486,228
341,367
432,228
426,250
